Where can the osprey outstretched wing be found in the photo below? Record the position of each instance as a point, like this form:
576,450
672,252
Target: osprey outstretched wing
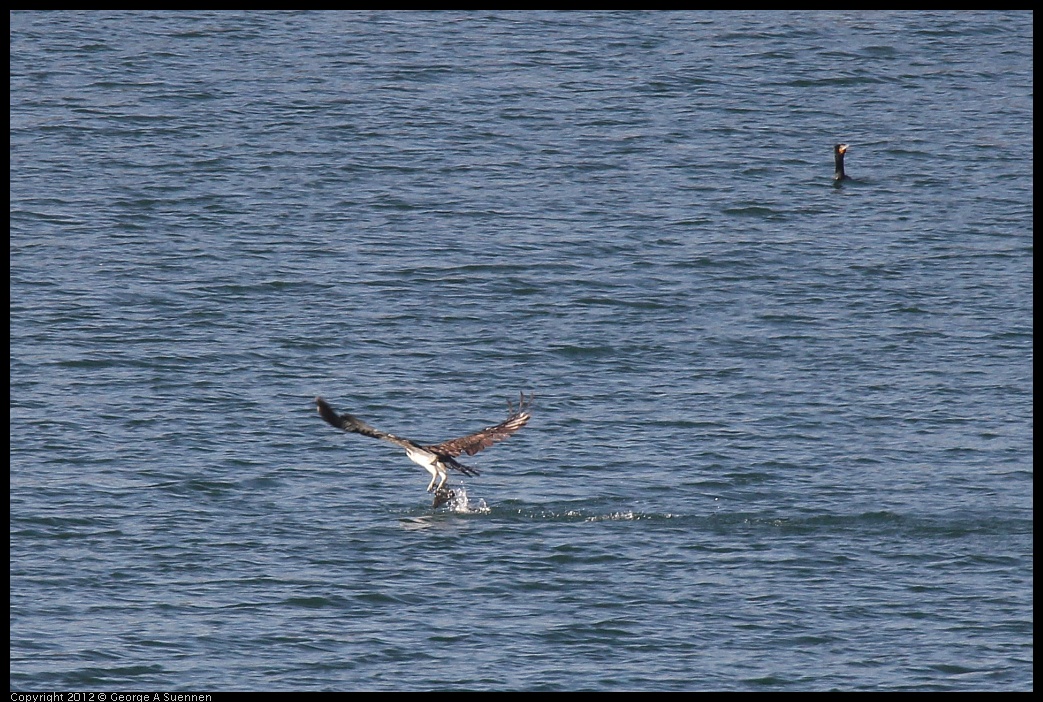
473,443
437,459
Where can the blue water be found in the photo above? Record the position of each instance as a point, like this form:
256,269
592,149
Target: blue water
782,435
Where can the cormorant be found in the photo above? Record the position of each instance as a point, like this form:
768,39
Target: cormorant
838,156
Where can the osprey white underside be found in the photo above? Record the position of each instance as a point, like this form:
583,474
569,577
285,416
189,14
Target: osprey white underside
431,463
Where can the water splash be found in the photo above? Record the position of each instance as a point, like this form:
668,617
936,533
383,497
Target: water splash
460,503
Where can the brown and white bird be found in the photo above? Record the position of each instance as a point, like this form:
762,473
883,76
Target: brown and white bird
437,459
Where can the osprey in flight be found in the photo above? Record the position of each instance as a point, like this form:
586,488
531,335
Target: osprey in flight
437,459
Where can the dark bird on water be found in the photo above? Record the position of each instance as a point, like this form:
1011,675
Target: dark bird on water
838,156
437,459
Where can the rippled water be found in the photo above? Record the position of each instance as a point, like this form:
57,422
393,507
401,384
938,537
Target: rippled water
782,436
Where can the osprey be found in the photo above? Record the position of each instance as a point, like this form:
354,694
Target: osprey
437,459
